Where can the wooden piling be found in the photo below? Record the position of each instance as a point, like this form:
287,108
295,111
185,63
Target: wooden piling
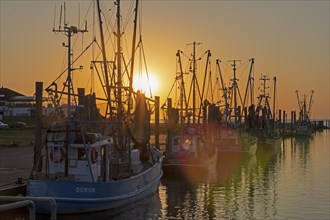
81,94
291,121
38,118
157,122
169,103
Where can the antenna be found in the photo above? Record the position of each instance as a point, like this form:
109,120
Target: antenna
235,87
69,32
54,17
65,24
79,14
72,29
59,27
194,79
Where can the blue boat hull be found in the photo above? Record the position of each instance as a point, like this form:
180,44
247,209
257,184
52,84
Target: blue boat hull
80,197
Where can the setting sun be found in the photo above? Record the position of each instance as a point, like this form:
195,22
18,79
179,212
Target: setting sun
148,84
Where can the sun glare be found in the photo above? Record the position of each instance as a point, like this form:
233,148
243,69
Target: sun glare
145,84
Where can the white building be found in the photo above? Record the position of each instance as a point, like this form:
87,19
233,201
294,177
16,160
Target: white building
16,104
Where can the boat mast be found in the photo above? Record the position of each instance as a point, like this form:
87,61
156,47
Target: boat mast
299,104
251,79
69,32
274,98
304,108
264,95
69,80
194,80
133,55
249,85
235,88
183,97
310,104
119,78
304,113
224,90
105,66
208,52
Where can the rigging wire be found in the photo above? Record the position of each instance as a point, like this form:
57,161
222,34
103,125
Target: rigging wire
244,66
130,13
54,17
74,61
225,68
110,28
145,63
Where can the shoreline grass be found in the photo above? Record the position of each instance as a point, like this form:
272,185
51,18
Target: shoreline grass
26,137
16,137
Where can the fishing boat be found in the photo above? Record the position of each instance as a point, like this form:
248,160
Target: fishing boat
266,127
303,125
233,134
188,155
235,141
90,161
187,152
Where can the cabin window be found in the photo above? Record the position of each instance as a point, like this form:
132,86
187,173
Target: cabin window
72,162
82,154
176,141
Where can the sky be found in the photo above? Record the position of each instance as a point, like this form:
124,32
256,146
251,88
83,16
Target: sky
287,39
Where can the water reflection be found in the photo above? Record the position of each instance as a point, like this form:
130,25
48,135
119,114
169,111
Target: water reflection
182,199
279,182
237,196
219,198
290,181
147,208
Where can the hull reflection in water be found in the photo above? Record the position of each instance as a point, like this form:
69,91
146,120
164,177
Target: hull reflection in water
182,198
147,208
274,184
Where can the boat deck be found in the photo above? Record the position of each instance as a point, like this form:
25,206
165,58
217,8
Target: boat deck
15,166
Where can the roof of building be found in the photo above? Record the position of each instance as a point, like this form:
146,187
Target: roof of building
6,93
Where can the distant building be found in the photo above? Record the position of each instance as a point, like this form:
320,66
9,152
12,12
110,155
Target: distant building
13,103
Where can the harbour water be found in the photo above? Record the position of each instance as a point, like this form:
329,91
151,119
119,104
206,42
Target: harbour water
291,182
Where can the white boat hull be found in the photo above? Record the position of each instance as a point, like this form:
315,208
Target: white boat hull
80,197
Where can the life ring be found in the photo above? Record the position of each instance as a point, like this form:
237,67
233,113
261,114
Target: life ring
57,154
94,155
185,144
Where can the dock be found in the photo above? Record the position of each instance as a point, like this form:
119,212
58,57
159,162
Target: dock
15,167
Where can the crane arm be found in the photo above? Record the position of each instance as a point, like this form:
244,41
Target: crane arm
310,102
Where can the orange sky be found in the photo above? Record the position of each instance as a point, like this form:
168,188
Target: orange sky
288,39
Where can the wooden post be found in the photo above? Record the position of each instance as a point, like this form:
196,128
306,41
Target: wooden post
284,123
169,103
169,132
38,118
157,122
292,122
280,116
81,94
239,114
